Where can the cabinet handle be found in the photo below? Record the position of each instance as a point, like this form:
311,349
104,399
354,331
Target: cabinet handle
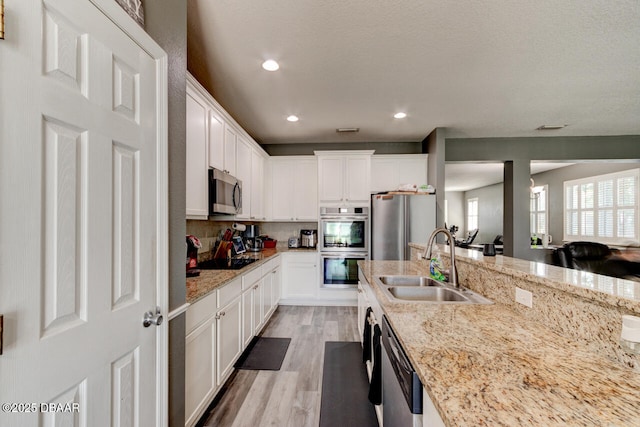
218,316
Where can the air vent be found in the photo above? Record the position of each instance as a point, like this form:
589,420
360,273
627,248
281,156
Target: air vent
348,130
551,127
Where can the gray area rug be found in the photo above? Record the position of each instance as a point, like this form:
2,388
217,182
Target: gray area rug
345,387
264,353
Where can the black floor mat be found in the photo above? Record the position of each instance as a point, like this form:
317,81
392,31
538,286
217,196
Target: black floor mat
264,353
345,387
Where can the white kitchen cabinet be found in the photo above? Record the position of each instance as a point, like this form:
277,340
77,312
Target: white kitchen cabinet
388,172
247,317
267,296
243,173
276,282
299,277
216,140
344,177
229,337
294,189
200,374
197,190
257,185
363,303
430,415
230,141
258,315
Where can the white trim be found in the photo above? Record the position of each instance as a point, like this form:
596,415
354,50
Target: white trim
123,21
319,302
178,311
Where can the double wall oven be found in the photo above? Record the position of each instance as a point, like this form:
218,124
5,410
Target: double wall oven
343,241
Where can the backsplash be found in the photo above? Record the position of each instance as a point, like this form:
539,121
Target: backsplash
208,232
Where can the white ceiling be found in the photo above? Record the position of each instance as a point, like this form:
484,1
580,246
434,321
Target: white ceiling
469,176
481,69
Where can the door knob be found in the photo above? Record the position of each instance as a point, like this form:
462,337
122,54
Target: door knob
151,318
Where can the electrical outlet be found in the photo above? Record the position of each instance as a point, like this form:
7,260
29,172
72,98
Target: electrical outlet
524,297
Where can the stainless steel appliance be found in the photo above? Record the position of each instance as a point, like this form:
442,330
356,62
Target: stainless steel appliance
340,269
344,229
396,220
308,238
225,193
343,240
401,387
251,238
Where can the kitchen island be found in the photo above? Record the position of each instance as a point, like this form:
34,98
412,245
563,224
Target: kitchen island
500,364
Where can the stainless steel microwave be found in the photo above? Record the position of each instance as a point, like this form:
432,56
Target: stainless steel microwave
225,193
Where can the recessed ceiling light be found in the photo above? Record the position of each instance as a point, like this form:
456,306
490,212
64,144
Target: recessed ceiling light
347,130
400,115
550,127
270,65
293,118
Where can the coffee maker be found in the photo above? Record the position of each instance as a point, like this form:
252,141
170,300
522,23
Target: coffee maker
252,239
193,244
308,238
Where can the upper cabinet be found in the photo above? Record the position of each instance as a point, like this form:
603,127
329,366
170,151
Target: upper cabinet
391,171
257,185
293,192
230,147
243,173
215,140
197,153
344,177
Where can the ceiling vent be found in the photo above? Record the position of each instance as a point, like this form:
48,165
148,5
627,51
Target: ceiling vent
348,130
551,127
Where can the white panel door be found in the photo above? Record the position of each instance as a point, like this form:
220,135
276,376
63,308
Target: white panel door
83,214
305,190
357,171
331,178
281,191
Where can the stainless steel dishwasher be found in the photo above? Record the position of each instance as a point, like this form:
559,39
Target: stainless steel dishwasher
401,387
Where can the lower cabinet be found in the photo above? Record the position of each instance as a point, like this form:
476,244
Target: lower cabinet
229,329
220,326
200,372
300,278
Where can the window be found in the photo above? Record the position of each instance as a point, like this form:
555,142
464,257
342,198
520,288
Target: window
603,208
538,209
472,214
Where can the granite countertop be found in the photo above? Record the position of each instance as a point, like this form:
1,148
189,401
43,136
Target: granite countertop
485,365
209,280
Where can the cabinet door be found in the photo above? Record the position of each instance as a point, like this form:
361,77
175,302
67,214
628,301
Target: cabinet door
230,150
229,330
257,306
276,284
243,173
300,277
412,170
247,317
197,195
267,296
257,185
331,178
357,170
385,174
282,187
200,375
305,190
216,141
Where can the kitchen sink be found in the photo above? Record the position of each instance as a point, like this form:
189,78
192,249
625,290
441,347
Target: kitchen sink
434,294
408,281
427,290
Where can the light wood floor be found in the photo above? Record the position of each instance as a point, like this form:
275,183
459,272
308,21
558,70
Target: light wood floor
290,396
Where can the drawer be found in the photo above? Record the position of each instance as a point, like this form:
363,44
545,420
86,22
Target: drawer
229,291
200,311
251,277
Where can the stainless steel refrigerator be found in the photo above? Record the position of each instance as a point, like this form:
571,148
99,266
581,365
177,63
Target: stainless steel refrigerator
396,220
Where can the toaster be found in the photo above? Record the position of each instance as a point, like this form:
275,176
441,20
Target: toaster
294,242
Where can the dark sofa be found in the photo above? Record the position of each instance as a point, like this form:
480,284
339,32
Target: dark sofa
596,258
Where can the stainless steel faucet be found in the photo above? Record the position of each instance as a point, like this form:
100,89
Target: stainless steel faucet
453,273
